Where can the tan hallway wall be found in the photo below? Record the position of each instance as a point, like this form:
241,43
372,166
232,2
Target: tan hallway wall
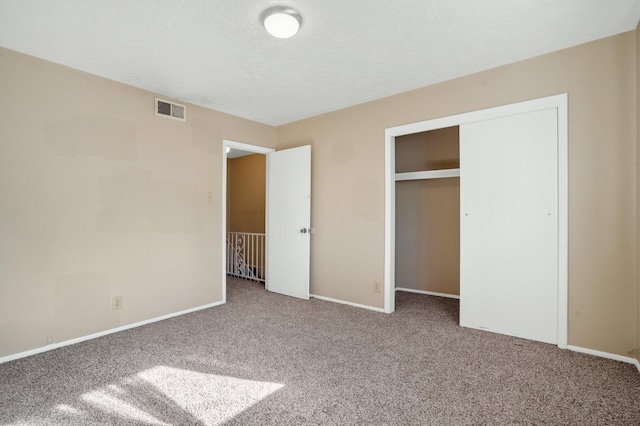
428,213
99,197
246,186
348,180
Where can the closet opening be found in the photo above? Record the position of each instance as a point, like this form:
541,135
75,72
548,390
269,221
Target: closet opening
427,226
512,214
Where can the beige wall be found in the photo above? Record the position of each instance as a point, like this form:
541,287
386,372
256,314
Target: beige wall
638,191
428,213
348,180
246,186
99,197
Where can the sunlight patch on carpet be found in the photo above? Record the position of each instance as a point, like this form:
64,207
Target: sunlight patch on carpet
162,394
108,403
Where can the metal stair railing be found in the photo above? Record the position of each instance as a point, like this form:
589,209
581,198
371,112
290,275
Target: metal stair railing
246,255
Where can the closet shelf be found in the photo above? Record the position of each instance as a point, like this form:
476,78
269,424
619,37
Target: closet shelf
430,174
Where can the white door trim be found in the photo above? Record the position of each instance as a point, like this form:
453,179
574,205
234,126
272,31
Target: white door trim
560,102
243,147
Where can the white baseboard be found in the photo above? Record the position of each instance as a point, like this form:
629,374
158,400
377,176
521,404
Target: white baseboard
343,302
428,293
103,333
621,358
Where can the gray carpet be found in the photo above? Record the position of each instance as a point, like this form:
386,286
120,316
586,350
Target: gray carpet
267,359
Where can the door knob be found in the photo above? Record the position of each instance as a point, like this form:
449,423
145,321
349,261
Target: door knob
303,231
307,230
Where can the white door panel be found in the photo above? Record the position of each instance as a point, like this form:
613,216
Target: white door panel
509,225
289,212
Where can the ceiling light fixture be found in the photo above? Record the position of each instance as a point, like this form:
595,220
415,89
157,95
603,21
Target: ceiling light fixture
281,21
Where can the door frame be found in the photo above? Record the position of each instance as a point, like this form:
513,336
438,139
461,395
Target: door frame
255,149
560,102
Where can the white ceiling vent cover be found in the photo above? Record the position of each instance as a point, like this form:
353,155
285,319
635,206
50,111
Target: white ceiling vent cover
170,109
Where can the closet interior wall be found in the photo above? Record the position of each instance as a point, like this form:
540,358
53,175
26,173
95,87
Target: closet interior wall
428,213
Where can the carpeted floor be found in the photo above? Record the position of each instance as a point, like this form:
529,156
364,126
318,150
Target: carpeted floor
267,359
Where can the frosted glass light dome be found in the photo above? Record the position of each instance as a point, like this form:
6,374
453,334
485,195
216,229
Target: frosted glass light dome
281,21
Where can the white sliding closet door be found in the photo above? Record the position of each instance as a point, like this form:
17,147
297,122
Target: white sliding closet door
509,225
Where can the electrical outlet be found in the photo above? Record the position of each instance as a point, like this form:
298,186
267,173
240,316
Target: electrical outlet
49,340
377,287
116,302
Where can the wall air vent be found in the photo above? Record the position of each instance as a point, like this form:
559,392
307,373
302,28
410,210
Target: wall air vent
171,109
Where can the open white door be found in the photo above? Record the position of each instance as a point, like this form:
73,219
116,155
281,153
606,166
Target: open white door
509,225
289,221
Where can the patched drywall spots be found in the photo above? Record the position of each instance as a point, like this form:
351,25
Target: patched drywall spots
342,152
365,195
95,136
82,305
206,136
134,202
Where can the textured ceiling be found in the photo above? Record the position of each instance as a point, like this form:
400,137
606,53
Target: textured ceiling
215,53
